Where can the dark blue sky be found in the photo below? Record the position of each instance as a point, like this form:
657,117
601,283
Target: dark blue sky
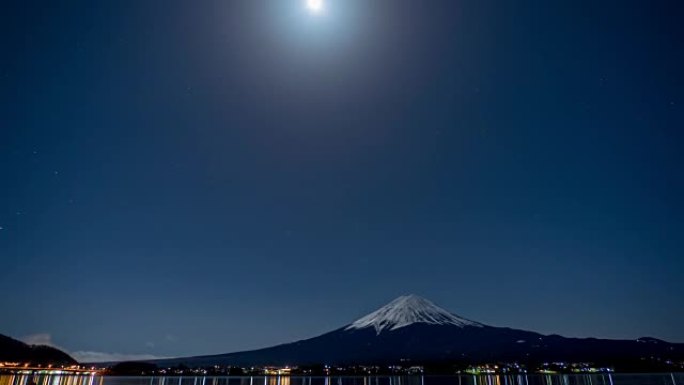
189,177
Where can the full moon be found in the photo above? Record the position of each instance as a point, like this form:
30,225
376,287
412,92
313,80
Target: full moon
314,5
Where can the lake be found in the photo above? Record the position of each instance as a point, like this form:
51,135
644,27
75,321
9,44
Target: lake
530,379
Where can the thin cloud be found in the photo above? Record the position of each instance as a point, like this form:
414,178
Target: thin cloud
97,357
88,356
39,339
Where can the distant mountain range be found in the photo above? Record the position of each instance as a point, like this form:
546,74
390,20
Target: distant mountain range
12,350
413,329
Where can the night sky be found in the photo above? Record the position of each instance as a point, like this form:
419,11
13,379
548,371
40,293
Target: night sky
192,177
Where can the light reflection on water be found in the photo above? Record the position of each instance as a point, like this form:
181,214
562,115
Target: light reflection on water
49,379
534,379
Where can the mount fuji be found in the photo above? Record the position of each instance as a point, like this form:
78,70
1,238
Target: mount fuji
407,310
413,329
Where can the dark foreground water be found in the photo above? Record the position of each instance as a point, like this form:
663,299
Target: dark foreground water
531,379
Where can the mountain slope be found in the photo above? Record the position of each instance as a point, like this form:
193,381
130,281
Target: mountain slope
412,328
12,350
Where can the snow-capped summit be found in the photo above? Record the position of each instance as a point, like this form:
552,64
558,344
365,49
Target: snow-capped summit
407,310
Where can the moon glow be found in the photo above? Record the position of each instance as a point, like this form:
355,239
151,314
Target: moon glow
314,6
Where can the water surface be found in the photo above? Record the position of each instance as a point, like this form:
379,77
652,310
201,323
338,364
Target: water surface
531,379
